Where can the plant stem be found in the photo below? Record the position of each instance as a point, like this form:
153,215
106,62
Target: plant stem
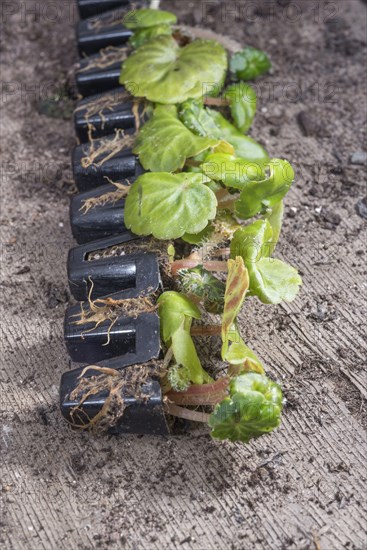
214,266
206,330
216,101
201,394
187,414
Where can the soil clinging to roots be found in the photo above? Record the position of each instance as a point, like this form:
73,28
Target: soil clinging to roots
107,148
108,198
107,309
117,384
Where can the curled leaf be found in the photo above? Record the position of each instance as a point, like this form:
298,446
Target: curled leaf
259,196
275,218
252,409
236,287
252,242
176,312
208,122
147,18
174,308
233,172
242,103
164,143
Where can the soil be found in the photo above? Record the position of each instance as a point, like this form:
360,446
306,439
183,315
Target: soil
299,488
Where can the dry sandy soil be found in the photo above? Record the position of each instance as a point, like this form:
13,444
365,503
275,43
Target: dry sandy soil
299,488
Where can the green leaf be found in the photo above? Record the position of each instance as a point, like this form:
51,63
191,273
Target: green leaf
163,72
275,218
258,196
249,63
236,287
201,283
274,281
173,309
185,354
252,242
198,119
242,356
141,36
252,409
242,98
146,18
176,312
233,172
208,122
198,238
169,205
164,143
270,280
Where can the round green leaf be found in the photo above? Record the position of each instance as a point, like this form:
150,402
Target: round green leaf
169,205
163,72
249,63
253,408
164,143
274,281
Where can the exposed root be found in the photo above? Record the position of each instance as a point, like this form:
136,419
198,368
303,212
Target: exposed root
108,148
115,18
108,198
116,384
108,309
107,56
101,104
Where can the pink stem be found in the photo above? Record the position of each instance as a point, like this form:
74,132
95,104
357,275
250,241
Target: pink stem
180,412
214,266
201,394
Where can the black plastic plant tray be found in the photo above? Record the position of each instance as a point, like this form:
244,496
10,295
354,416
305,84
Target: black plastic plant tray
121,165
102,31
88,8
130,275
131,339
108,119
94,75
143,415
99,222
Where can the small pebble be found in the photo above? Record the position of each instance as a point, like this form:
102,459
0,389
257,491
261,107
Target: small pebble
61,224
359,158
361,208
